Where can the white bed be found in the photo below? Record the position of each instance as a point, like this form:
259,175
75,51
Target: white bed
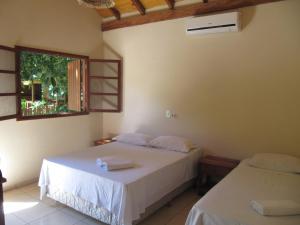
116,197
228,203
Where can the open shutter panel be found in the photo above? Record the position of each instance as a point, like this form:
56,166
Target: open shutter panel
7,83
105,85
74,88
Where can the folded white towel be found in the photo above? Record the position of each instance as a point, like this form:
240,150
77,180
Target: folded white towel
276,207
112,163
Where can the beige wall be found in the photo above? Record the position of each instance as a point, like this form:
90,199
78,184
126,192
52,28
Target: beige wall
54,25
234,93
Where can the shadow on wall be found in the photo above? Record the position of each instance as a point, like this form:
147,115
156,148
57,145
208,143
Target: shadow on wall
96,52
110,53
155,132
247,15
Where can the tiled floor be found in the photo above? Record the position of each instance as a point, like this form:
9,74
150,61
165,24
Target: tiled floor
23,207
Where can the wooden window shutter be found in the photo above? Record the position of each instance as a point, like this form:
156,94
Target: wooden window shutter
74,86
105,85
8,88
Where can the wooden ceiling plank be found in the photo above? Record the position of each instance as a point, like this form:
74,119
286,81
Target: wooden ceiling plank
139,6
171,3
105,13
126,6
116,13
183,11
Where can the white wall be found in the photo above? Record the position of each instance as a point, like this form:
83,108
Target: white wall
234,93
60,25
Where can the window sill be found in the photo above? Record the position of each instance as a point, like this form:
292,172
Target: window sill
21,118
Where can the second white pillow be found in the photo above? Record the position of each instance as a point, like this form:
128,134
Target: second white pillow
172,143
134,138
277,162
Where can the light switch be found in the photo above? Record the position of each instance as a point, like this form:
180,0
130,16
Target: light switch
168,114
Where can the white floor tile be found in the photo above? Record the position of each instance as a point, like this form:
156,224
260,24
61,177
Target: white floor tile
30,210
35,212
91,221
18,203
180,218
73,213
34,193
57,218
29,187
13,220
80,223
51,202
13,195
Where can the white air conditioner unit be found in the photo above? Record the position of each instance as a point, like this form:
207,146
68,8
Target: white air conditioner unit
226,22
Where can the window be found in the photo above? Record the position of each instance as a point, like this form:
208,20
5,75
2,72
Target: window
105,85
51,84
37,84
7,83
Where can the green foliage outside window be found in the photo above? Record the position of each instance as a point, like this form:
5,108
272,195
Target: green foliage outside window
51,72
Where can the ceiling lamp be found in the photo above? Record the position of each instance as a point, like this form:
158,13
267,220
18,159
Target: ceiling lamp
97,4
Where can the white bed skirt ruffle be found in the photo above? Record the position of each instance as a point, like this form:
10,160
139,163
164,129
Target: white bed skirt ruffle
83,206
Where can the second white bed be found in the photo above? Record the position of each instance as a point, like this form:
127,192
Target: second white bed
124,193
228,203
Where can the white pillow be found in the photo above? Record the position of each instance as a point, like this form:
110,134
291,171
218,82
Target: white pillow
172,143
277,162
134,138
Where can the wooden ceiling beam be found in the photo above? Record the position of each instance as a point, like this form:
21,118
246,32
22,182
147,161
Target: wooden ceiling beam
183,11
171,3
139,6
116,13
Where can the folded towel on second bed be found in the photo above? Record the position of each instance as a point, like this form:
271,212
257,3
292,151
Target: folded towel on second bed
114,163
276,207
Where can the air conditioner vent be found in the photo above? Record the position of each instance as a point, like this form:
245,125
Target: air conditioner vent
227,22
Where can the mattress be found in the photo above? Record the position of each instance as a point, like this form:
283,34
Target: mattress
124,193
228,203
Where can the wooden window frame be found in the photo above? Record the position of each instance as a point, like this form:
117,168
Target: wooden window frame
88,77
18,50
12,72
119,94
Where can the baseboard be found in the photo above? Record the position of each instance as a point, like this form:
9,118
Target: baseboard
20,185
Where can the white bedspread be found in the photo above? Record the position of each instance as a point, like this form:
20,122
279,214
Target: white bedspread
228,203
125,193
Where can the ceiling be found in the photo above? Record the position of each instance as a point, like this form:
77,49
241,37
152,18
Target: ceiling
127,7
137,12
